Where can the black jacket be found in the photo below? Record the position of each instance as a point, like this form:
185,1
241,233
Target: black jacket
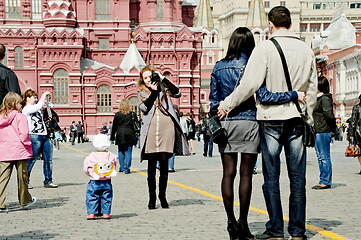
323,116
123,130
355,124
8,82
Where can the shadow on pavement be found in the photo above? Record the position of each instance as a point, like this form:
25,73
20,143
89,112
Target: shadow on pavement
39,234
336,185
261,225
184,202
70,184
324,223
40,203
124,215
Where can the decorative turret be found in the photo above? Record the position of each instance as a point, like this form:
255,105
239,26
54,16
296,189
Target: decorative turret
256,15
203,15
132,59
59,13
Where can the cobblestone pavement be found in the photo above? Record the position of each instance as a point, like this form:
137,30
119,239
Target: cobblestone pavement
196,210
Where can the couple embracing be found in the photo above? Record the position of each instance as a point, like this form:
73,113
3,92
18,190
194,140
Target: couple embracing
276,123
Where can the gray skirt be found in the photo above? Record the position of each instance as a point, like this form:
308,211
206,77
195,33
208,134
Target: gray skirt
243,137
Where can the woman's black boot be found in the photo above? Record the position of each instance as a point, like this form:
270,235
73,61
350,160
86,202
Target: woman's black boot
152,193
232,230
162,190
243,230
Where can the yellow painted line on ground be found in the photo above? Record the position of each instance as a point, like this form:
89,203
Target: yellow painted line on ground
74,149
308,226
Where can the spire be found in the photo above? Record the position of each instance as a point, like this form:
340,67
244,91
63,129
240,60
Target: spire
132,59
256,15
203,15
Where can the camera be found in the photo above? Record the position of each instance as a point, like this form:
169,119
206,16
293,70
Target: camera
155,78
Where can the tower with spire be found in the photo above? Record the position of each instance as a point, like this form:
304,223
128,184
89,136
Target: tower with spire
257,20
211,48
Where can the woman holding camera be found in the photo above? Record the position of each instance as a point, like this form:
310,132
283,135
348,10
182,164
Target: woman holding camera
160,133
39,135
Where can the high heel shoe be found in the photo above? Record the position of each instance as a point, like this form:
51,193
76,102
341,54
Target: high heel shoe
232,230
163,202
243,231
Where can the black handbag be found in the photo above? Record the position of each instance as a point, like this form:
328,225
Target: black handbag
219,134
136,125
308,137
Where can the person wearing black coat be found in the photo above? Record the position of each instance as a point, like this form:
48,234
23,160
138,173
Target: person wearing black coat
124,135
8,79
325,128
354,129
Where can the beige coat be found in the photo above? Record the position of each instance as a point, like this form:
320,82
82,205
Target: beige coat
265,65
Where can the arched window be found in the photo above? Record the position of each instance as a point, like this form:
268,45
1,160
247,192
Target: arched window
133,101
36,9
61,90
214,38
102,10
19,57
104,99
210,58
12,9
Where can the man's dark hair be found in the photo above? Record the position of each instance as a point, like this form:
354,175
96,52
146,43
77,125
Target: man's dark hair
241,41
2,51
280,17
323,85
73,122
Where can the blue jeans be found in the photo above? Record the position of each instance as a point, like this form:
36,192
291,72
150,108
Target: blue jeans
99,192
125,158
322,147
171,162
208,142
40,143
274,136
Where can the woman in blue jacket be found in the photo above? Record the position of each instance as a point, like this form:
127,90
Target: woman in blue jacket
241,126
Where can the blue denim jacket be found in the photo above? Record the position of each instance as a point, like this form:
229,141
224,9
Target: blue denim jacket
223,79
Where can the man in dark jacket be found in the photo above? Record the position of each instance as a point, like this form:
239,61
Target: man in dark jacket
8,79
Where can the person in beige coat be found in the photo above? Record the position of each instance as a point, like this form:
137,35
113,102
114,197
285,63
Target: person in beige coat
280,125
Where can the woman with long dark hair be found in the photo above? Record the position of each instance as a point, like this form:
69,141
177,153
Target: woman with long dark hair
160,133
241,126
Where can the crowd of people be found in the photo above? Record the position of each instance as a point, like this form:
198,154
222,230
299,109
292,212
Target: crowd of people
255,91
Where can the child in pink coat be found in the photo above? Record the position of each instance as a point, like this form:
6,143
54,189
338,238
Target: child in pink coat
15,149
100,167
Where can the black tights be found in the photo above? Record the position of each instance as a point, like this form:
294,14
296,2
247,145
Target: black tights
163,167
229,161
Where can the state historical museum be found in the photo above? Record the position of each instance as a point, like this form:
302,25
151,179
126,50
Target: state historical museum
88,53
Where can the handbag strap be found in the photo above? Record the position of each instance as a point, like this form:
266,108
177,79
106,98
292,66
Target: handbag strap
287,74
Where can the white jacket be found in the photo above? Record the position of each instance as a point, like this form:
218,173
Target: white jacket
265,65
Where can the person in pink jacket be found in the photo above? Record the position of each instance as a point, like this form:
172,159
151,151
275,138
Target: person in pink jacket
15,149
100,167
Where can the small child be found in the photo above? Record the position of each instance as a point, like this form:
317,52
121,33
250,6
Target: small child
15,149
100,167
